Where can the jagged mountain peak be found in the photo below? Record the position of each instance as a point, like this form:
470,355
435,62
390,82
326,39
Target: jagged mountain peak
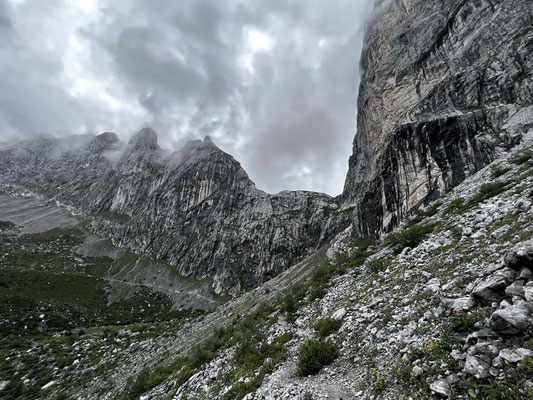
145,139
199,144
104,141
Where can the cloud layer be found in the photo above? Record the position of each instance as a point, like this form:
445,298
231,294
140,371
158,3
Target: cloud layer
274,83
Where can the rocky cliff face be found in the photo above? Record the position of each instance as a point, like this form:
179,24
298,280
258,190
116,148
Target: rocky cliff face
446,88
195,208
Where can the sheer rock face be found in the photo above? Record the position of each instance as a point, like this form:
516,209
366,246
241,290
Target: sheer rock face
195,208
446,87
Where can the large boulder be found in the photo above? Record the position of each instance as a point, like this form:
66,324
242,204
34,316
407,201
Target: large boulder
477,367
521,255
492,288
514,319
441,387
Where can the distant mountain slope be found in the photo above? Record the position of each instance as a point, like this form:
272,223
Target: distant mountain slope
195,208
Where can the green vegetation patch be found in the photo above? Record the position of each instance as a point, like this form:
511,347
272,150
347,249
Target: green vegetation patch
314,354
357,259
498,171
327,326
6,225
454,207
410,237
114,217
486,191
465,323
522,157
423,214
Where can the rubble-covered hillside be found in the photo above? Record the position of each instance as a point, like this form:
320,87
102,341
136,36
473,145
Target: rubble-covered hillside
440,308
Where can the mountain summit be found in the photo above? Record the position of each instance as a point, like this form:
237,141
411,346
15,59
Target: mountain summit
195,208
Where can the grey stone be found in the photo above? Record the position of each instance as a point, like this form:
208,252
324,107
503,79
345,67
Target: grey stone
417,371
513,319
461,304
522,206
490,349
492,288
528,293
433,285
48,385
3,384
504,303
515,289
483,334
441,387
524,273
515,355
477,367
452,379
457,355
521,255
498,362
339,314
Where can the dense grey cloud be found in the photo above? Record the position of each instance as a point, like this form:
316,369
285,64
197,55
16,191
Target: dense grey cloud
273,82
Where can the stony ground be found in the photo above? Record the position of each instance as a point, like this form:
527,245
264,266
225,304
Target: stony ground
443,307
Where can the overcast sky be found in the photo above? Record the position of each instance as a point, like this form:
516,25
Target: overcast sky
273,82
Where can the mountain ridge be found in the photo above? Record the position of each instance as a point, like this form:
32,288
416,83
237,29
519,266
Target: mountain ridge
194,207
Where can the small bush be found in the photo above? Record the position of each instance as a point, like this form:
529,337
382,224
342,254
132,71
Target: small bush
499,171
139,384
319,281
454,206
423,214
522,157
465,323
327,326
5,225
289,306
378,265
487,191
315,354
410,237
378,382
317,292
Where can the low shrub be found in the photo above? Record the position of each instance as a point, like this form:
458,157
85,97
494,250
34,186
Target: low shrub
498,171
314,354
327,326
378,265
423,214
522,157
411,236
454,206
465,323
291,303
317,293
487,191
